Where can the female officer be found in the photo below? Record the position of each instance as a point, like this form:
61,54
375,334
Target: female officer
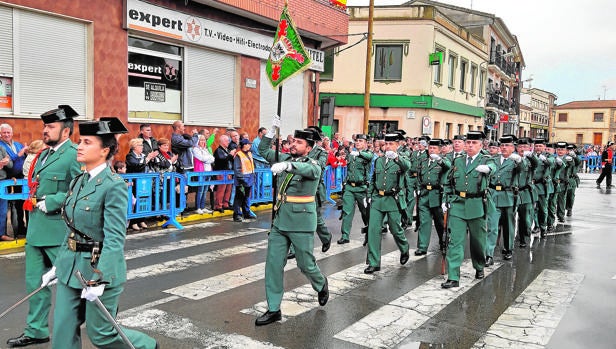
95,212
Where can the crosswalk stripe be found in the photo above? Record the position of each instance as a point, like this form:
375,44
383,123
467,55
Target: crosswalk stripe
304,298
390,324
533,317
146,235
184,330
224,282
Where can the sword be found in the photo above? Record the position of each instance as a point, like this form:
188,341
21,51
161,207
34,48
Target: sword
21,301
102,308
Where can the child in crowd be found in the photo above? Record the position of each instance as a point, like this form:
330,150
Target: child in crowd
34,148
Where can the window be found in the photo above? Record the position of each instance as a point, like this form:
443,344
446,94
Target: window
388,63
328,66
447,130
597,117
451,64
460,129
437,129
482,83
155,75
438,69
562,117
463,71
473,78
579,138
39,68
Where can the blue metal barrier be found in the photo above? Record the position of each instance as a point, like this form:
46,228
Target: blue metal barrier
261,191
5,191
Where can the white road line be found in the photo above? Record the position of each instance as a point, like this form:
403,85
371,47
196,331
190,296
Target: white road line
166,231
183,329
175,265
187,243
390,324
533,317
224,282
304,298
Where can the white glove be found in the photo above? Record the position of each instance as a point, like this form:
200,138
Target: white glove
559,161
92,292
354,153
568,158
435,157
528,153
365,202
276,121
444,207
572,153
515,157
391,154
542,157
280,167
49,278
483,168
41,206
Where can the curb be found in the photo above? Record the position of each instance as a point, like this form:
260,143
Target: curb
7,247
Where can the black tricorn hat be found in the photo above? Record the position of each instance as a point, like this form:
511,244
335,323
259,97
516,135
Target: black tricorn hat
571,146
525,140
507,139
476,135
436,141
393,137
105,126
401,132
316,135
459,137
64,112
447,142
493,144
561,145
361,136
307,134
549,145
318,129
539,141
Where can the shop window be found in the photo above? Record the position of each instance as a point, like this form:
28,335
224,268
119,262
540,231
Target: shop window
388,62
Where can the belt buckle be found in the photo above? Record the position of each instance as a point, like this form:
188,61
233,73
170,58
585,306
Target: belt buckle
499,188
382,192
429,187
352,184
72,245
462,194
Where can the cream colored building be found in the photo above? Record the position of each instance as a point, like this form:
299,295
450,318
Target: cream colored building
585,122
407,92
536,123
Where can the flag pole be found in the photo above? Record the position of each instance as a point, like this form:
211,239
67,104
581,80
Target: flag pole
277,149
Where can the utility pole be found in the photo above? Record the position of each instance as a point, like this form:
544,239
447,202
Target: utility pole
368,68
604,91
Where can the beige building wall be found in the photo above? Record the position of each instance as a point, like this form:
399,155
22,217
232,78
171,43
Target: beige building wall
580,122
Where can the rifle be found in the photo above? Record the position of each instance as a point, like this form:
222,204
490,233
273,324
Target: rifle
446,238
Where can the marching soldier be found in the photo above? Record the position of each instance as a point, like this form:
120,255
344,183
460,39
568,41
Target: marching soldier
458,147
417,157
527,194
558,166
95,213
544,187
295,220
54,169
565,178
504,192
320,156
355,187
493,148
388,200
430,180
574,180
468,181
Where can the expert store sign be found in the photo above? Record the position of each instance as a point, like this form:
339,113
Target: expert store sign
145,17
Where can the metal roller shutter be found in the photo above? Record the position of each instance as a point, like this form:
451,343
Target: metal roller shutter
6,41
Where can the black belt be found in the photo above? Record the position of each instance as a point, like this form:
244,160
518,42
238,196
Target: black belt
77,246
413,174
500,187
468,195
432,187
356,184
539,181
387,192
524,187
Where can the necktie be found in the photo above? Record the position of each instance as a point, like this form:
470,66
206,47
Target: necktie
468,161
85,179
49,153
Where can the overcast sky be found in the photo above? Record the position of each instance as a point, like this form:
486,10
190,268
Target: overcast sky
569,46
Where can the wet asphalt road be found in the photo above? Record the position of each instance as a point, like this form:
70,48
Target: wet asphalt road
171,260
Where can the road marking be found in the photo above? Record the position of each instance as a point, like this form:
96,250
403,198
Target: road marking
533,317
191,334
304,298
175,265
224,282
390,324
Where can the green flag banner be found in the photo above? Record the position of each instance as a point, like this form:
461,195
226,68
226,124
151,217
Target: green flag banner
288,55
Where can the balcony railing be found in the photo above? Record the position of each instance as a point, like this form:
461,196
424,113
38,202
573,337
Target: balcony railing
507,67
497,101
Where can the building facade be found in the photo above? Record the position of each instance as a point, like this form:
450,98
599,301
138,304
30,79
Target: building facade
538,108
202,62
585,122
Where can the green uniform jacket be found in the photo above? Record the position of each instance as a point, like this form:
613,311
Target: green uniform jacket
430,180
542,175
388,176
504,176
467,180
54,177
358,171
320,156
450,156
98,209
306,174
562,175
528,193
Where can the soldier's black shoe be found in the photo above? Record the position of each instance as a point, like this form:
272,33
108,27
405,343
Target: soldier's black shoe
371,269
404,258
324,294
342,241
543,234
24,340
291,255
479,274
450,284
550,228
609,186
420,252
268,318
238,219
508,255
384,230
489,261
522,244
326,245
561,219
569,213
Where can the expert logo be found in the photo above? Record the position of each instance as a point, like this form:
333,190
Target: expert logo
194,29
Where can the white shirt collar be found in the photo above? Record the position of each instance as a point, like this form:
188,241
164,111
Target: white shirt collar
59,145
98,169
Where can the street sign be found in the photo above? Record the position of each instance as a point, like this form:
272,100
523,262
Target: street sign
436,58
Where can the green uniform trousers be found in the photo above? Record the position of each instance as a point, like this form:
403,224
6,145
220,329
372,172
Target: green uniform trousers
39,259
458,227
426,215
410,200
278,244
322,231
552,209
561,202
374,234
504,216
541,212
525,221
71,311
349,198
570,198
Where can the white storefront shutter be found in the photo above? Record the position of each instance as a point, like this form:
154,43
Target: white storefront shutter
6,41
